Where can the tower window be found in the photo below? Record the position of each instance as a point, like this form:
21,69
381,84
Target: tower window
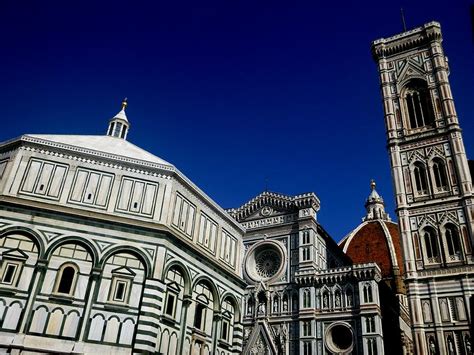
372,346
305,254
418,104
306,328
370,324
432,252
306,298
452,240
421,184
306,237
368,298
439,172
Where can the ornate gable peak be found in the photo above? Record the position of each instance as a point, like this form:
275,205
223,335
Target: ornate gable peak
276,201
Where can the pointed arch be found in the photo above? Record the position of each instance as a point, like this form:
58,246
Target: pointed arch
417,104
430,244
452,240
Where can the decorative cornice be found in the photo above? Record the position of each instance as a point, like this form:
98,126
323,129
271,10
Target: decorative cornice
358,272
416,37
279,201
96,153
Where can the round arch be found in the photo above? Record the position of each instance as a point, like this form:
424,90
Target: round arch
235,303
74,240
128,250
27,232
212,287
184,271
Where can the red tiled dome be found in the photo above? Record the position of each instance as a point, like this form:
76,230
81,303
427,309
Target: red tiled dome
375,241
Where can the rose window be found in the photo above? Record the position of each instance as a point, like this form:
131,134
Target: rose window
267,263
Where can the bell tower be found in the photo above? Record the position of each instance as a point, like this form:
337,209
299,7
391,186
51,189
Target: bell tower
432,184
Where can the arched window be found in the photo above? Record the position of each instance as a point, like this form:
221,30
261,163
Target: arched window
175,291
228,318
306,298
439,172
421,185
418,104
203,312
368,298
452,241
431,245
306,239
372,346
294,301
66,279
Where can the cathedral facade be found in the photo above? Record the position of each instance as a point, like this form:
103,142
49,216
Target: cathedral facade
105,247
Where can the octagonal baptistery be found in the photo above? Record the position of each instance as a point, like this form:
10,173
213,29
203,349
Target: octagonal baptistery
107,248
377,239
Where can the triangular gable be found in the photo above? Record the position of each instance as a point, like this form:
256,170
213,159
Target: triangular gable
271,203
260,341
411,69
124,270
15,254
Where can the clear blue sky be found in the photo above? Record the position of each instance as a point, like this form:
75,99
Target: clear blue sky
231,92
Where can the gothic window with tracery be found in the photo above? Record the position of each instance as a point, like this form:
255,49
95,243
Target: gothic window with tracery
368,298
306,298
372,346
452,241
431,246
421,184
418,104
439,172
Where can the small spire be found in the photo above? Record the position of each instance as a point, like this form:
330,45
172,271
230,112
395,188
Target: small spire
124,104
119,125
372,184
403,20
375,205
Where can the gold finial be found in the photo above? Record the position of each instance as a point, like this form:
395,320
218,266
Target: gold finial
124,103
372,184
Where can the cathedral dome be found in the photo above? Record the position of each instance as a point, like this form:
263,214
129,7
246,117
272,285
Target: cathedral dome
377,239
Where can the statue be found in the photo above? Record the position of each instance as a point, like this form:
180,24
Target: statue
338,300
325,300
285,304
261,308
432,347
